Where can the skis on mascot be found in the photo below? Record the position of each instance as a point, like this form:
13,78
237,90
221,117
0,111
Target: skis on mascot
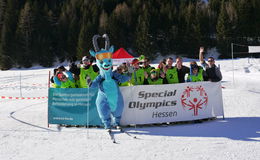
111,135
118,130
130,135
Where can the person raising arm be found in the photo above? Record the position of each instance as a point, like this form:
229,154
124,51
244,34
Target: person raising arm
213,72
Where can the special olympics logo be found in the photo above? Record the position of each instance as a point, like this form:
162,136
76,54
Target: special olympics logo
194,98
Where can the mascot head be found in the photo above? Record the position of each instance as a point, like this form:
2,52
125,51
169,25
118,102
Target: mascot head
103,55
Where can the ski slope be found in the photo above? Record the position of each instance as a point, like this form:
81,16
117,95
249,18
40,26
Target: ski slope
24,134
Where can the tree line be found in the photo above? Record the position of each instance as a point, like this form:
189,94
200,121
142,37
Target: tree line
43,32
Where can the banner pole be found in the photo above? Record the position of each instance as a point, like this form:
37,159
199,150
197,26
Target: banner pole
88,115
233,64
48,99
134,112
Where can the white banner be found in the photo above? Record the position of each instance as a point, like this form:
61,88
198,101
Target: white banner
148,104
254,49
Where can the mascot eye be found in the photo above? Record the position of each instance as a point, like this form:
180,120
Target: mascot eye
101,62
109,60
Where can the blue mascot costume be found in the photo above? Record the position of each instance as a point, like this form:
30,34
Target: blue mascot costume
109,99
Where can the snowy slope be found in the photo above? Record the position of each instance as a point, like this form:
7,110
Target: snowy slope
24,134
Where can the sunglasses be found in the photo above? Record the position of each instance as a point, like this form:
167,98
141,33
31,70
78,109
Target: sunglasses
210,60
106,55
63,77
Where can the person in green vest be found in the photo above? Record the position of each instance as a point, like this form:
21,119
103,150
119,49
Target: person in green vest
122,69
161,66
196,74
87,72
60,68
64,80
137,77
154,78
170,71
146,65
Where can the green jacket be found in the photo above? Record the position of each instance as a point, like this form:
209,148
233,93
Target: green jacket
196,78
156,82
127,83
148,69
70,83
85,74
172,75
67,84
137,77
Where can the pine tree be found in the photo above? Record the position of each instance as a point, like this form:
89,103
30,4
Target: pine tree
119,25
68,30
26,28
2,14
223,30
143,38
43,35
247,19
192,37
7,45
103,22
88,28
85,39
214,9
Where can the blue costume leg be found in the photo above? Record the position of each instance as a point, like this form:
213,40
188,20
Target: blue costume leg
119,109
103,110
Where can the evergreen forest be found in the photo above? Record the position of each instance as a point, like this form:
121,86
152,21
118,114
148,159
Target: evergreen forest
46,31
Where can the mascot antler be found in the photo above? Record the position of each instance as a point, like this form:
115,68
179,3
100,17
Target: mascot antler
107,42
95,44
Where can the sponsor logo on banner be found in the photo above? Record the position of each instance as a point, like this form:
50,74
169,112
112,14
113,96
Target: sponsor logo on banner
194,98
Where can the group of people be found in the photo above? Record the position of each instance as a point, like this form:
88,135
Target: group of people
167,73
140,72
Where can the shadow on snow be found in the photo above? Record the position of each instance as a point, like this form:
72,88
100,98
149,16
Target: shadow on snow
237,128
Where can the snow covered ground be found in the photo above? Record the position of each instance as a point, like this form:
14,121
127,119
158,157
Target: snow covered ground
24,134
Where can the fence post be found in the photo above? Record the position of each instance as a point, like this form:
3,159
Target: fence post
20,85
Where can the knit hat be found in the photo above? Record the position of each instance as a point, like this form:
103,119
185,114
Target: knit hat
134,61
61,68
60,75
153,71
85,58
141,58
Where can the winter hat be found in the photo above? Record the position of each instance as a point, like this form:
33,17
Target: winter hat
141,58
85,58
61,67
60,75
88,58
135,61
153,71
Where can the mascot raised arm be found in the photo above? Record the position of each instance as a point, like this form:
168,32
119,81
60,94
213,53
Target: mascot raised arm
109,99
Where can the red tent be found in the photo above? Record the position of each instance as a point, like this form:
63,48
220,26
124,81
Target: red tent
121,56
121,53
